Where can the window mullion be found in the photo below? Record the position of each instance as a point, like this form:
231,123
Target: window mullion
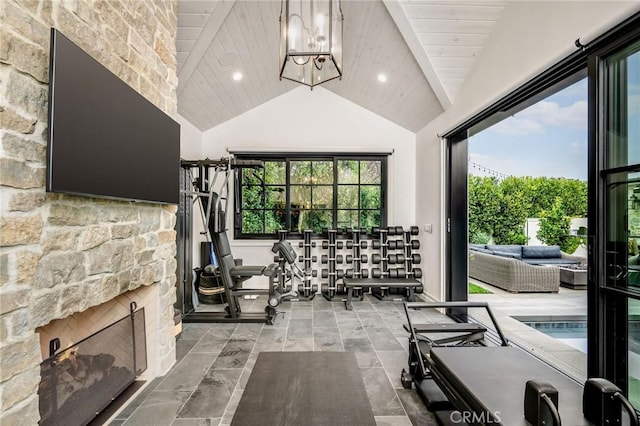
288,193
335,191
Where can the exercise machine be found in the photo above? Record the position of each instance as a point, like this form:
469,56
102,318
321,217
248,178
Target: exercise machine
211,195
289,271
471,375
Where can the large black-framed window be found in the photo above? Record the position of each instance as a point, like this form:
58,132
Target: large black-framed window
613,311
319,191
614,73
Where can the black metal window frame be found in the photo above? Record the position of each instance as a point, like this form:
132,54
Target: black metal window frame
579,64
287,158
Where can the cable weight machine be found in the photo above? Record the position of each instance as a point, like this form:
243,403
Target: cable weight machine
212,196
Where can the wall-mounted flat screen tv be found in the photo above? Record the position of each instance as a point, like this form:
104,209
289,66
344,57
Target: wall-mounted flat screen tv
104,138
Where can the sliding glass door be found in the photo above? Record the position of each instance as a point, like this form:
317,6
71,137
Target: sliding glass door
615,223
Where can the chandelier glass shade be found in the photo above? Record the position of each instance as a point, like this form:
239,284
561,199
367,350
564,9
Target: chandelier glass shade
311,41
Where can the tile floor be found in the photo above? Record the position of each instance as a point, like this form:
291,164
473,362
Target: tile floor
214,362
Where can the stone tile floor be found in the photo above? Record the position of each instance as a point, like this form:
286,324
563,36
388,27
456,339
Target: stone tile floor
214,362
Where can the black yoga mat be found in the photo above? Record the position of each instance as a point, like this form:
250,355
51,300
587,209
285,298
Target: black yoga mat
304,388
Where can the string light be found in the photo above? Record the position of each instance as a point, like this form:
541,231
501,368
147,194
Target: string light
487,170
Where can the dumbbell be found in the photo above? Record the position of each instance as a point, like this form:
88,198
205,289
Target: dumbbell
363,258
339,273
377,273
416,273
395,230
314,288
396,258
395,244
414,230
302,244
350,273
377,231
397,273
350,244
399,244
301,258
337,244
326,259
416,258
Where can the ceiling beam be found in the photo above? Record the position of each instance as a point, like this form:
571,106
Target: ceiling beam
410,37
220,11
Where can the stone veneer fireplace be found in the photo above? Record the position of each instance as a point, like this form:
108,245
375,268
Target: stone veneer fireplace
66,259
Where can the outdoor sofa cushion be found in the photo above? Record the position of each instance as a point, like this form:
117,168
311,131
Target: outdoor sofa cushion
515,249
506,254
550,261
541,252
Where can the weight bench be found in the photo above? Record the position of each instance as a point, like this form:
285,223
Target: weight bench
412,285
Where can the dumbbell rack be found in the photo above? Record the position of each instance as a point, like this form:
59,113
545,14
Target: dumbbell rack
332,288
382,257
407,258
387,257
412,258
306,290
357,258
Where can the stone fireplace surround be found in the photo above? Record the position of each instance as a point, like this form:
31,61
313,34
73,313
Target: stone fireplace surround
65,259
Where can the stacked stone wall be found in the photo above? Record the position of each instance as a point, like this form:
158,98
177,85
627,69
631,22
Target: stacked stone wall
62,254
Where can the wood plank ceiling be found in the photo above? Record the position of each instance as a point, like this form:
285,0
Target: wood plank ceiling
425,49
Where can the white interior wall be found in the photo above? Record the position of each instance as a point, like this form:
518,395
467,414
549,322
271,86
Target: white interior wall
190,140
529,38
191,149
318,121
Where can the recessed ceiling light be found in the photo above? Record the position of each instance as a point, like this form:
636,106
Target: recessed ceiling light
382,78
237,76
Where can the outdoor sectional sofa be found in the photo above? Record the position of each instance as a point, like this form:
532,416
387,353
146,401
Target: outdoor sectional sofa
516,268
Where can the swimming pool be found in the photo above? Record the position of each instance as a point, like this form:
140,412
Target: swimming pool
572,333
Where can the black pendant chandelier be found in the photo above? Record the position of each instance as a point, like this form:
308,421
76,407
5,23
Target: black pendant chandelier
311,41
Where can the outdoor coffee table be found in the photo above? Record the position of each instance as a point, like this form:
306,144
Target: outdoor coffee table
574,278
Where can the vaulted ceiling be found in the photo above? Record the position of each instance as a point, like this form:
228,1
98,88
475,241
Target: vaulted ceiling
426,48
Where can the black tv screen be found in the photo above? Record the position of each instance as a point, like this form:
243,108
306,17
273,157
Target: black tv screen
104,138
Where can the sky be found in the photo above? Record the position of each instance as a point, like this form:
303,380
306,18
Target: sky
547,139
550,137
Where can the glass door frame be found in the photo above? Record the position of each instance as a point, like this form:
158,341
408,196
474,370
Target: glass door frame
606,308
607,305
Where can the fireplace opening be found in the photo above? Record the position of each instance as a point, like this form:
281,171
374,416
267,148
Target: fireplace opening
81,380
